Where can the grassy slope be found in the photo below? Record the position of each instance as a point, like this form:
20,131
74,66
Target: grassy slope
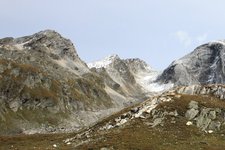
136,135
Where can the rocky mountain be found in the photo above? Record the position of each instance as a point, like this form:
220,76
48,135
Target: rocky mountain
205,65
49,43
146,76
118,71
132,77
46,87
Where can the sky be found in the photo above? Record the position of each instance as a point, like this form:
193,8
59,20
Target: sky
157,31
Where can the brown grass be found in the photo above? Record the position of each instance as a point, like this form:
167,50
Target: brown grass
136,135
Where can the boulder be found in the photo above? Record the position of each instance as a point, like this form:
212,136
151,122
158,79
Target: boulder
212,114
215,125
203,120
191,113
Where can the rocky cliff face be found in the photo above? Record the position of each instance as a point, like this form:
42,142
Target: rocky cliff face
120,81
132,77
116,67
146,76
46,87
205,65
137,65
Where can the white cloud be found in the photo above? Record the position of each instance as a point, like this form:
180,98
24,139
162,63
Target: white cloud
184,38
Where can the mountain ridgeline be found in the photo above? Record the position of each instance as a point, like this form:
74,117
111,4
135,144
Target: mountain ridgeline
46,88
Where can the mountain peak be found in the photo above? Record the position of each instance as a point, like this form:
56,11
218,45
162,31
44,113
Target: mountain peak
205,65
112,57
48,32
104,62
48,41
51,44
138,65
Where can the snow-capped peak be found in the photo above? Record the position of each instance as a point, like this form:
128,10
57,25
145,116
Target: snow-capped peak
104,62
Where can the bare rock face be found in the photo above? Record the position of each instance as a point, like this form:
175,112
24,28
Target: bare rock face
137,65
205,65
47,41
119,68
215,90
118,76
116,67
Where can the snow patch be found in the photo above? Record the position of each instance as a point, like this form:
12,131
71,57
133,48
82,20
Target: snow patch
147,81
103,63
20,46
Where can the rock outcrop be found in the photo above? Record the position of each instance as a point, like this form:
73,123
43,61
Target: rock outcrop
205,118
215,90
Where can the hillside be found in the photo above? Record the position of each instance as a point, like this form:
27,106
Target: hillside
168,121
